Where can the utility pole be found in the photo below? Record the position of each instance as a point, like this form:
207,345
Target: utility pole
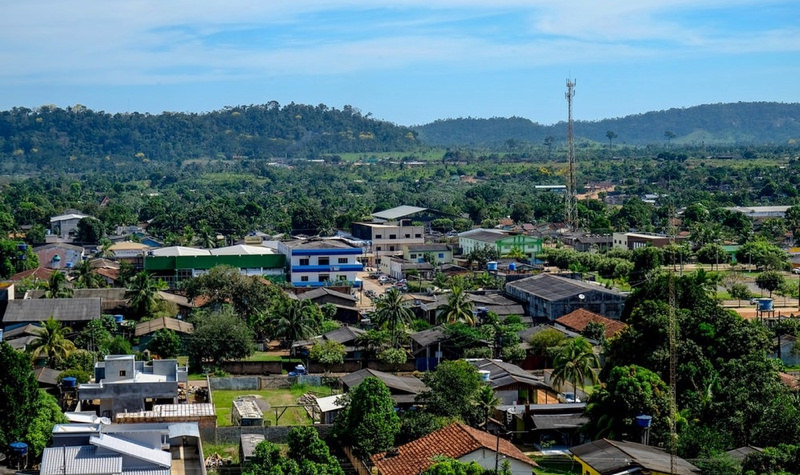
571,206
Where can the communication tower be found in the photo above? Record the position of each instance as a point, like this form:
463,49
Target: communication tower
571,205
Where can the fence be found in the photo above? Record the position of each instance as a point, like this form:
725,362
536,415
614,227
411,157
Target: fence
277,434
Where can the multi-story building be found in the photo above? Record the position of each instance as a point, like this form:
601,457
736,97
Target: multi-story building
317,262
502,242
433,253
389,233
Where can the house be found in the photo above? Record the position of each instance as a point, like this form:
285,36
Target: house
434,253
72,312
513,385
346,304
606,457
504,243
247,447
124,449
761,212
130,252
39,274
400,268
578,319
346,335
318,262
59,256
64,226
126,385
631,241
483,303
557,425
144,331
326,408
389,232
426,348
547,296
588,242
457,441
112,300
177,263
404,389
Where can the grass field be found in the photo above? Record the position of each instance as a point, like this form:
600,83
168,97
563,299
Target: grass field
223,402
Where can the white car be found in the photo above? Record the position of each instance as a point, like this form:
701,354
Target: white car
569,397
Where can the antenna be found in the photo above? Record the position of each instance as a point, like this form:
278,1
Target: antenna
571,207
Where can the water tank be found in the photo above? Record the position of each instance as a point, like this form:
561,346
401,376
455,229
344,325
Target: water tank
69,382
491,265
644,421
484,375
20,449
512,266
118,318
765,304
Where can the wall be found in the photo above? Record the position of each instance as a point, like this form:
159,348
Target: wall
277,434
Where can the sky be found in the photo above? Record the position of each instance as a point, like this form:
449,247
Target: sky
409,62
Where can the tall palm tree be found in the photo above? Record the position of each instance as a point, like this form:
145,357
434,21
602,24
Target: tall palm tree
458,308
104,250
86,277
486,400
142,293
296,321
51,342
574,362
57,287
392,313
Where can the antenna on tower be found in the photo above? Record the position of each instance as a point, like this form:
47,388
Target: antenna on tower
571,205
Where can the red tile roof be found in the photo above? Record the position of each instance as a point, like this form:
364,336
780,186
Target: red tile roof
39,273
578,319
454,441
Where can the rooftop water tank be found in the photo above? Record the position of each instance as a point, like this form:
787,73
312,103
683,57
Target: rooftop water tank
512,266
765,304
20,449
69,382
118,318
491,265
644,421
484,375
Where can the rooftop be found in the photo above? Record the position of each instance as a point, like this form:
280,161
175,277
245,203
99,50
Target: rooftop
578,319
553,287
398,212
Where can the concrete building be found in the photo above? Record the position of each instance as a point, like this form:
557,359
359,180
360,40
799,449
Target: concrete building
437,253
389,232
65,225
504,243
318,262
632,241
126,385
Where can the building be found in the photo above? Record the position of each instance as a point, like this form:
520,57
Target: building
434,253
605,456
145,331
319,262
64,226
389,233
126,385
124,449
457,441
632,241
513,385
475,239
400,268
72,312
547,296
761,212
59,256
176,264
577,320
404,389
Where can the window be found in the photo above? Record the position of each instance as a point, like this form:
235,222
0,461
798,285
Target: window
324,277
304,278
122,373
341,277
379,236
342,260
418,236
413,256
377,248
391,248
324,261
408,236
441,255
304,262
393,236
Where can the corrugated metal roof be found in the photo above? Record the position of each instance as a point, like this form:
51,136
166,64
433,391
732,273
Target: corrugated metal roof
407,384
398,212
241,250
81,460
181,429
553,287
65,310
174,251
154,325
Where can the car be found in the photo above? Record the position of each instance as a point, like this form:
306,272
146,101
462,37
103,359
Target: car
796,270
568,397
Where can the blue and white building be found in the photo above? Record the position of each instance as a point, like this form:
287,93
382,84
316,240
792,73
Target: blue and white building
319,262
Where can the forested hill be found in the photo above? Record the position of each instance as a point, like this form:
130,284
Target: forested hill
740,123
49,136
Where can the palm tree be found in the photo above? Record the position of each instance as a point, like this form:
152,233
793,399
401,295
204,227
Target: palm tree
51,342
458,308
296,321
57,287
391,312
86,277
104,250
143,294
486,400
573,362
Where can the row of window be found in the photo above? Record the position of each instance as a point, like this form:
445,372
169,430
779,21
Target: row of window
414,256
323,278
394,236
323,261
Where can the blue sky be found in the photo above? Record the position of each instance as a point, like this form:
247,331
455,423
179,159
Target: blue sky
409,62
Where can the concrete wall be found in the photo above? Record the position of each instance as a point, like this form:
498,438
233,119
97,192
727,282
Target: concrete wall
277,434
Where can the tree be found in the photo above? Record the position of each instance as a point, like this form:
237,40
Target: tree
86,278
95,337
458,308
142,294
392,313
669,135
739,291
453,388
89,230
713,253
13,258
51,342
542,341
368,422
574,362
297,320
595,331
165,343
769,280
57,287
328,353
47,413
226,285
19,393
394,357
454,467
218,335
611,135
119,345
311,453
486,401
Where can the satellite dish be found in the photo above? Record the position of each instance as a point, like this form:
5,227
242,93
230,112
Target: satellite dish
581,296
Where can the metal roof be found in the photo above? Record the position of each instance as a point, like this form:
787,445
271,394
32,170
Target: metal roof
398,212
80,460
174,251
484,236
407,384
65,310
134,450
154,325
553,287
610,456
558,421
241,250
